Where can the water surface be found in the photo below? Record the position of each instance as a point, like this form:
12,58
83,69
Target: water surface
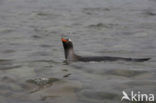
30,32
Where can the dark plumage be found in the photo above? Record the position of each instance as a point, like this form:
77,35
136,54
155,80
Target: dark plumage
71,56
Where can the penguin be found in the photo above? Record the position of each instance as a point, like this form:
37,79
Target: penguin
71,56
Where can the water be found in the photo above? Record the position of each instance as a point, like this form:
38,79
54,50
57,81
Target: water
31,49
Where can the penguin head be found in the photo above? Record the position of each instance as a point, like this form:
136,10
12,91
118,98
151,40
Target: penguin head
67,43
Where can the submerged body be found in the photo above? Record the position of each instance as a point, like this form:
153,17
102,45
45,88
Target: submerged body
71,56
108,58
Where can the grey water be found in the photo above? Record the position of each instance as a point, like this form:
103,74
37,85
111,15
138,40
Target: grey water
31,51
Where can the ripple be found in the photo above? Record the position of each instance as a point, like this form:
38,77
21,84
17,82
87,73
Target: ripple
9,51
6,30
125,73
8,64
40,83
91,11
97,95
101,25
150,12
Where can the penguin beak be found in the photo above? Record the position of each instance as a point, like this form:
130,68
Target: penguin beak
64,40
